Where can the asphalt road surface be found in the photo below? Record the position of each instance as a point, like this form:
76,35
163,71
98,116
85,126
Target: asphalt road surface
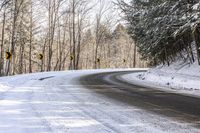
93,101
179,108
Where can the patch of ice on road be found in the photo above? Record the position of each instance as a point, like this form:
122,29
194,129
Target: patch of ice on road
4,87
74,123
9,102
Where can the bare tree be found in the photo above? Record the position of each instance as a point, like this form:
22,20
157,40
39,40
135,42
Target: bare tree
65,32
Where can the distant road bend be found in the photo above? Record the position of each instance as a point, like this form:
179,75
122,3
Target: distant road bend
181,108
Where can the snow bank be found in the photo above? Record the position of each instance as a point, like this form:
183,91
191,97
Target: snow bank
180,77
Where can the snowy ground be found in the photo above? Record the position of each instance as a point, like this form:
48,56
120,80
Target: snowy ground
179,78
54,103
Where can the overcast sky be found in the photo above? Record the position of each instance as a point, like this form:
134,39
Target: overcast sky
113,12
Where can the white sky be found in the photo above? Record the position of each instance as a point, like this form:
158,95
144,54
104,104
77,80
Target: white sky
112,14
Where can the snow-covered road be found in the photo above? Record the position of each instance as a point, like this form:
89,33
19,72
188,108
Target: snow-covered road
62,102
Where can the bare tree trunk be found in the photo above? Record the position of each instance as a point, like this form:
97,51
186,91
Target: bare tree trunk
70,43
95,56
2,43
78,45
21,59
49,36
43,52
13,39
31,36
73,34
134,56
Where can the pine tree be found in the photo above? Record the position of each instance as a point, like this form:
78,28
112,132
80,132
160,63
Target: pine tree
162,28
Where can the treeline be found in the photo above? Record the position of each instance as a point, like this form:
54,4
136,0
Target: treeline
69,34
164,29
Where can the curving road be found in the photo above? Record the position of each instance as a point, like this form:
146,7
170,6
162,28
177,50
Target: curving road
179,108
92,102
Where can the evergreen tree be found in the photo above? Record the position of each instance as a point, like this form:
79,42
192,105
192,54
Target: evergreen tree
162,28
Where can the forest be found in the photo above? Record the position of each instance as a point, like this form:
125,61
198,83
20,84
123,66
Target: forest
164,30
55,35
